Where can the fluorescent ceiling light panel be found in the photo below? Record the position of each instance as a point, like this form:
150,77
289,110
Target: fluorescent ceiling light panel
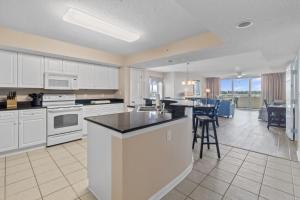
90,22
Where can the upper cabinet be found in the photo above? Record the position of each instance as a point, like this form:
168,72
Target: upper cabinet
106,78
53,65
100,77
85,76
70,67
30,71
113,74
8,66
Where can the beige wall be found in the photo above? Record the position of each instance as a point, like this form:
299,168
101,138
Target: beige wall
196,43
14,40
143,164
22,93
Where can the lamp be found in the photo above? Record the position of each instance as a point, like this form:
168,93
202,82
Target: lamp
207,90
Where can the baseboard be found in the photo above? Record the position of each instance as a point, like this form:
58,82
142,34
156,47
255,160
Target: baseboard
166,189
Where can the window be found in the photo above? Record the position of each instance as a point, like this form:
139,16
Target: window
241,87
226,88
245,91
197,88
155,86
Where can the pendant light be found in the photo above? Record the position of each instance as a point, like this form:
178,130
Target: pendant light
187,81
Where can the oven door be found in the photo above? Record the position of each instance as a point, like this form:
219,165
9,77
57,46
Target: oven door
64,120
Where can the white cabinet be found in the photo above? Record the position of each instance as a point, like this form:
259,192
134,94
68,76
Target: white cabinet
100,77
105,109
8,66
106,78
30,71
9,130
53,65
136,86
32,127
70,67
86,76
113,77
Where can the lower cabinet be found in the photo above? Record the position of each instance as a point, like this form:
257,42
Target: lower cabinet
21,129
105,109
32,127
8,130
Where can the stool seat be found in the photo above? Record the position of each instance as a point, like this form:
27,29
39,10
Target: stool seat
205,118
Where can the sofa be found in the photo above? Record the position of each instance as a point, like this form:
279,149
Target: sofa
226,108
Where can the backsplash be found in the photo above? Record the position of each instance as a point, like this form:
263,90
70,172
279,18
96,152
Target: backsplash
22,94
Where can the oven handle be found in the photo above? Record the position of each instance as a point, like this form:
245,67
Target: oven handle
63,110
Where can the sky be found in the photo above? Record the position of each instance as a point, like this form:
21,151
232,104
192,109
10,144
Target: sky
241,84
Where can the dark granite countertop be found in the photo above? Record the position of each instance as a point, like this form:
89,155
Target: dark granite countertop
132,121
88,101
23,105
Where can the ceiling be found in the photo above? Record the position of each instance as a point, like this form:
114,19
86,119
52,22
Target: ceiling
227,66
155,20
270,44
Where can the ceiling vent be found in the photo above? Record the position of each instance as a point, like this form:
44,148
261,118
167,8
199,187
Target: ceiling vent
244,24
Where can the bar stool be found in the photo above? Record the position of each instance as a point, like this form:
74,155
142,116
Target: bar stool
204,121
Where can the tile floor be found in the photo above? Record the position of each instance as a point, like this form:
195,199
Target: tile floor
55,173
59,173
239,175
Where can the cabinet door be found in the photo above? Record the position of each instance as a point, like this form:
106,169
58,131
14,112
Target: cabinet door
101,77
86,76
8,66
9,130
70,67
53,65
113,78
32,127
30,71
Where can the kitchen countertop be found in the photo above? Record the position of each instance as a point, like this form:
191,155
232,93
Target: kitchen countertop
132,121
87,102
23,105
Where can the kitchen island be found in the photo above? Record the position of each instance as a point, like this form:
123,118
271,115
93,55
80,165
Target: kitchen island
138,155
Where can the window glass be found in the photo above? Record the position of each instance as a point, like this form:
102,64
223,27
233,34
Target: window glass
155,87
197,88
226,88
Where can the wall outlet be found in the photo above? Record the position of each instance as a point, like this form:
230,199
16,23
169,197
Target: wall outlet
169,135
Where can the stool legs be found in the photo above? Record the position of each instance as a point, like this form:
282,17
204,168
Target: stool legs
195,121
216,139
202,138
207,135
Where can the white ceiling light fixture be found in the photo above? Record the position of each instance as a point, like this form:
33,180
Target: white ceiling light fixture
79,18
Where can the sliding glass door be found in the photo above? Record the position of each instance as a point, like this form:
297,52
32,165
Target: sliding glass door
246,92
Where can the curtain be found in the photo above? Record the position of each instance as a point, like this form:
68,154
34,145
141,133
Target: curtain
213,84
273,87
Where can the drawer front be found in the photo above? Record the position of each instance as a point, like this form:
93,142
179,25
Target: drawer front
32,114
8,115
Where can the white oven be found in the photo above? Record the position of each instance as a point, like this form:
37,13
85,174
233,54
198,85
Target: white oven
61,81
64,120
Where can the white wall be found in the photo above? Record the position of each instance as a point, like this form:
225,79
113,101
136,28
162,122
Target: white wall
173,86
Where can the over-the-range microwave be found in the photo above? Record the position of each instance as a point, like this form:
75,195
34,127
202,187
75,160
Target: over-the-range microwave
60,81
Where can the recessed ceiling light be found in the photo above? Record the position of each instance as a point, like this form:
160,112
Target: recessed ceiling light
245,24
90,22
